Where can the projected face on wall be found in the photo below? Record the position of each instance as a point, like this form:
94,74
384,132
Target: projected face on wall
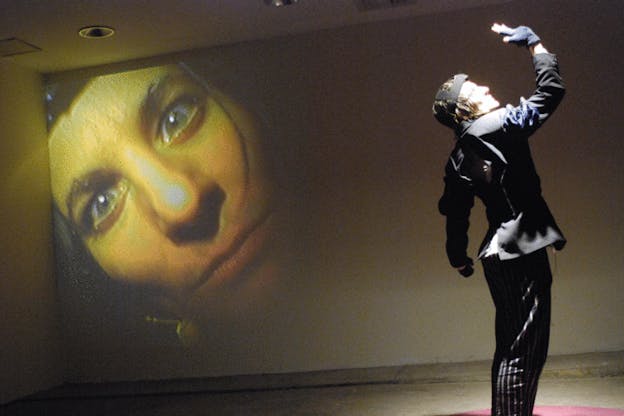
162,179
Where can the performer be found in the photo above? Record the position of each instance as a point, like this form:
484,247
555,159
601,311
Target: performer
492,160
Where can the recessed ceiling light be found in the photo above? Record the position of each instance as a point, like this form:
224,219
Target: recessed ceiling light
280,3
96,32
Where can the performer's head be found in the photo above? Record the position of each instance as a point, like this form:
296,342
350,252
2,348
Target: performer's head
459,99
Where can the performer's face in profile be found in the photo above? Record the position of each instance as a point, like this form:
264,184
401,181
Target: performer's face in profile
163,179
480,96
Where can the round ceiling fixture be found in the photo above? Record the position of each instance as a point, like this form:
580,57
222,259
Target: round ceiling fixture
96,32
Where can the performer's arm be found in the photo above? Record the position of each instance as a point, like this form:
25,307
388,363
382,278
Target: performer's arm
456,204
550,89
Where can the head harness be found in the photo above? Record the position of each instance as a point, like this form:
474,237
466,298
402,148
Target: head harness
450,96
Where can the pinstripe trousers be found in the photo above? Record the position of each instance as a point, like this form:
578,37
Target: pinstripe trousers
520,289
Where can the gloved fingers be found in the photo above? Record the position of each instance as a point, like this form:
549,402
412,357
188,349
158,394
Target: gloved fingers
521,35
501,29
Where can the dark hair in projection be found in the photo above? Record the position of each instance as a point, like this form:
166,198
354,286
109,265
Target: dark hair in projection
59,98
95,307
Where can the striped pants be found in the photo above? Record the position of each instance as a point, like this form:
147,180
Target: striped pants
520,289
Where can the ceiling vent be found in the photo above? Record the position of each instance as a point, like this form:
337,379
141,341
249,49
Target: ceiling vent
366,5
15,46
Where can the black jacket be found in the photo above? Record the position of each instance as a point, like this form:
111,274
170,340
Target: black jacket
492,160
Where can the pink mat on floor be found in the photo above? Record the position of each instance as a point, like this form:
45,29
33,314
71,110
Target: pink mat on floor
559,411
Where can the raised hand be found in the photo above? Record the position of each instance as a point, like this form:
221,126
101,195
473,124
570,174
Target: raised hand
521,35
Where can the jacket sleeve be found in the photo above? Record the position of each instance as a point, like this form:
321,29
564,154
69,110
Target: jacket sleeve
549,92
455,204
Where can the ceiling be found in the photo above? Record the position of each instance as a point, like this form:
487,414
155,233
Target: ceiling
146,28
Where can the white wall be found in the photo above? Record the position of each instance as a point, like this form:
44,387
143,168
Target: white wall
29,328
374,287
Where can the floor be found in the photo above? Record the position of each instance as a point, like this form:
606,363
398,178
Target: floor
565,383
